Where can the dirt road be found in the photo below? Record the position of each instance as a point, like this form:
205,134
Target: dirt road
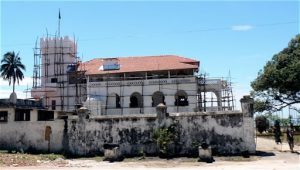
270,157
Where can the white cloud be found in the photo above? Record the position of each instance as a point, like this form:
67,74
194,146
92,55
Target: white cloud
26,81
241,27
6,90
20,94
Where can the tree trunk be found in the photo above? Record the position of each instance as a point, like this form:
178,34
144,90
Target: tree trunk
13,85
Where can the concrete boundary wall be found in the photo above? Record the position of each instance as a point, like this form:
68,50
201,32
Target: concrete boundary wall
30,136
229,132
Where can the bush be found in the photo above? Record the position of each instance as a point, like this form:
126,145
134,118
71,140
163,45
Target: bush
262,123
166,139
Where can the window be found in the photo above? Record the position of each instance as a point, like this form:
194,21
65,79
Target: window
44,115
53,80
79,79
3,116
110,64
22,115
53,104
136,100
118,105
157,98
181,98
113,101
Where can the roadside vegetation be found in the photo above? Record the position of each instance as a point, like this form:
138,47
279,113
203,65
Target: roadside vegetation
24,159
277,85
283,137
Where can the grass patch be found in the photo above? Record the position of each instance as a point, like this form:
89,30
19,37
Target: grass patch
283,137
149,159
98,158
24,159
238,158
51,157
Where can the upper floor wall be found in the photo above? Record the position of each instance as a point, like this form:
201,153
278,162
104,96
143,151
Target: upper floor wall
142,96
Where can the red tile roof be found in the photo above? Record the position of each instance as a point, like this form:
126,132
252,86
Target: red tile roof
141,64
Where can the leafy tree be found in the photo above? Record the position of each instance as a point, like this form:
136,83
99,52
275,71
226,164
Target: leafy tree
11,68
261,106
278,84
262,123
273,118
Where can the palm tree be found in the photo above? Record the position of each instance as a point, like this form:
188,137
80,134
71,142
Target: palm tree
11,68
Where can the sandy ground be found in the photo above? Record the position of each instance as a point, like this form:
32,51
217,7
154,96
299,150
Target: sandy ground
270,157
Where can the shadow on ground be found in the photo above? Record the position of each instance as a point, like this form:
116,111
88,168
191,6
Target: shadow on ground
264,154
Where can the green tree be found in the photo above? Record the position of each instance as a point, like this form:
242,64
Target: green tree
278,84
11,68
261,106
273,117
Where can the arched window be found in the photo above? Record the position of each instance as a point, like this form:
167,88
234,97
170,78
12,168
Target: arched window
157,98
113,101
118,105
136,100
181,98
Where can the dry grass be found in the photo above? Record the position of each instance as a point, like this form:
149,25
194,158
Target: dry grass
283,137
24,159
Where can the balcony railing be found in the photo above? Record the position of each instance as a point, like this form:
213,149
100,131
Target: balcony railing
191,79
21,103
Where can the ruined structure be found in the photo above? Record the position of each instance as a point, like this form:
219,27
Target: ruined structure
226,132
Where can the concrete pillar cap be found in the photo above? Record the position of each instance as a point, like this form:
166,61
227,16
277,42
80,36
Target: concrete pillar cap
246,98
82,109
13,98
161,105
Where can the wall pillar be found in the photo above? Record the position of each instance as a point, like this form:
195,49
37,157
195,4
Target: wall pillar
248,124
161,111
247,104
83,113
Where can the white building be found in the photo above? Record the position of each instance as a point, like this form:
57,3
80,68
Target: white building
136,85
112,86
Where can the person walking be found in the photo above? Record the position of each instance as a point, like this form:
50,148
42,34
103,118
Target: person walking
290,136
277,132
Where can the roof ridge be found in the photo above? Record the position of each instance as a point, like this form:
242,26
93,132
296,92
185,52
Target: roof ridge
144,63
162,55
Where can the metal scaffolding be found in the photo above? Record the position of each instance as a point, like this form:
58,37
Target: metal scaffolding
54,75
214,94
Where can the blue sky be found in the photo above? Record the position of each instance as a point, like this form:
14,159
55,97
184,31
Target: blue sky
223,35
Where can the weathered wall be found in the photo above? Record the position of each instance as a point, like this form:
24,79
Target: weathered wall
132,133
30,136
226,133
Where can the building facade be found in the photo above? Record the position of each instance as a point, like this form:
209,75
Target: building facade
117,86
136,85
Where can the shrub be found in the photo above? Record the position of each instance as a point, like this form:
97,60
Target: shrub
262,123
166,138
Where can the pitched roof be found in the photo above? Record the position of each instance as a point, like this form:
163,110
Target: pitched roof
141,64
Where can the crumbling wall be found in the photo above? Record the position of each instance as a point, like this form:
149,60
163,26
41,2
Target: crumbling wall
31,136
223,132
86,137
227,132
